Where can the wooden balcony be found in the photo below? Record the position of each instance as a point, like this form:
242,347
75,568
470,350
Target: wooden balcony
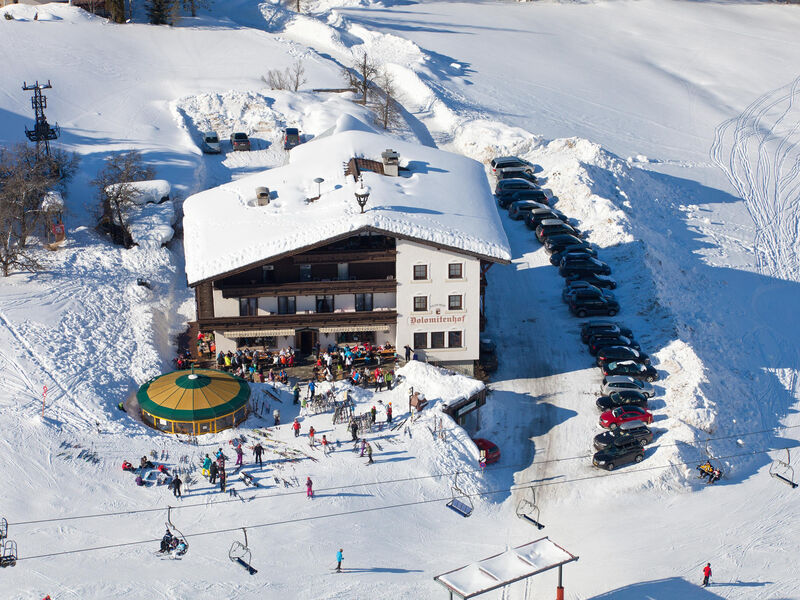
346,256
310,288
379,318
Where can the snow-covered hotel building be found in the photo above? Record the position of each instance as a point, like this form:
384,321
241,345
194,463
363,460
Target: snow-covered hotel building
302,264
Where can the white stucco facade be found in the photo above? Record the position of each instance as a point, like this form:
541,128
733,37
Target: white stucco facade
438,319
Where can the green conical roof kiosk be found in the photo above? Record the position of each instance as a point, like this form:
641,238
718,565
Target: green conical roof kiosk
194,402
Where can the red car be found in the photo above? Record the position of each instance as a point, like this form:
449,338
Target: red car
492,451
612,419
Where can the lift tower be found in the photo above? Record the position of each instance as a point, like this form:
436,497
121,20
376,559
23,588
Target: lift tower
42,131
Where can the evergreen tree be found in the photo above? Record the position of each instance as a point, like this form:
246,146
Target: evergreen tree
161,12
116,10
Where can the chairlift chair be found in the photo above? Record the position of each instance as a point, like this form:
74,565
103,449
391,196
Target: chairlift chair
463,508
171,526
240,553
3,529
529,511
783,471
9,555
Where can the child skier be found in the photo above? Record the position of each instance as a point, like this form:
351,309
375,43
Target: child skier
309,488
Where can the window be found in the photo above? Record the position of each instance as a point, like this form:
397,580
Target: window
287,305
454,302
324,304
420,303
363,302
355,337
454,339
305,272
420,272
268,274
437,339
420,340
455,271
248,307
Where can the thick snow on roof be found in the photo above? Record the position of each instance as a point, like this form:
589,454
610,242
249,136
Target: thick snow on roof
442,198
152,190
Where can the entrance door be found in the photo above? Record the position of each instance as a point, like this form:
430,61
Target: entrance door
305,341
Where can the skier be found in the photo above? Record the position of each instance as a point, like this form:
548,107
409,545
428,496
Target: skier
369,454
239,455
296,393
354,429
277,416
339,559
309,488
311,388
175,484
166,541
706,574
324,445
222,478
373,411
363,447
311,436
389,376
389,413
296,427
715,475
212,473
258,450
206,465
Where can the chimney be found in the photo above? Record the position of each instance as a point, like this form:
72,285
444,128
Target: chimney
391,163
262,196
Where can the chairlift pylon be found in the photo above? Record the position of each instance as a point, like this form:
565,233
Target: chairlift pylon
463,508
529,510
240,553
784,471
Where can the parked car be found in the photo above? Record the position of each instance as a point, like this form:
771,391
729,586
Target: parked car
508,162
598,342
550,227
555,257
516,172
519,208
535,217
209,142
583,265
584,293
540,196
632,430
240,141
622,398
611,419
615,383
572,286
556,243
596,279
631,369
506,188
487,355
492,451
582,307
596,327
291,138
617,353
617,455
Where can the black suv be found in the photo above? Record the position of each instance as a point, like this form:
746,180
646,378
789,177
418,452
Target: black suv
603,340
570,295
618,454
536,195
550,227
631,369
556,243
572,251
583,266
632,430
535,217
506,188
592,328
583,307
597,280
622,398
611,354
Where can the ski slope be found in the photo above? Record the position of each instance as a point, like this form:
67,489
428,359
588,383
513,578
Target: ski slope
668,130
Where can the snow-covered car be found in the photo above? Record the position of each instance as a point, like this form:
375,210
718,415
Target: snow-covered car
611,354
596,327
571,251
632,430
614,383
209,142
535,217
631,369
621,398
581,265
491,450
596,279
597,342
583,307
517,210
617,455
550,227
611,419
240,141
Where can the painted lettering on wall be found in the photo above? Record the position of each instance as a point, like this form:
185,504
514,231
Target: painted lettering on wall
436,319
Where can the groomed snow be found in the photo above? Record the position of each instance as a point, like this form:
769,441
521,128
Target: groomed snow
440,198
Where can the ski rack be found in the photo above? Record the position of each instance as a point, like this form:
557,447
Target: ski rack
170,525
464,509
240,553
531,515
782,471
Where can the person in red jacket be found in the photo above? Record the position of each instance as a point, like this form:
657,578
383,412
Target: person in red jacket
296,427
706,574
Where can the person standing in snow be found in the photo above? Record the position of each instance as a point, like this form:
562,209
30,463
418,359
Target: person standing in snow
277,416
363,446
354,429
212,473
369,454
222,480
311,389
239,455
388,378
176,486
372,413
706,574
206,465
389,413
324,445
296,393
258,450
311,432
296,427
339,559
408,352
309,488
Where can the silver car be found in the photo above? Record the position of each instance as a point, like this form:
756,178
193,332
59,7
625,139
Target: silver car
210,142
615,383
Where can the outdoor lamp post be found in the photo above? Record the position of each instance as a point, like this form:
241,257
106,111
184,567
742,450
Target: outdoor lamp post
318,181
362,194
